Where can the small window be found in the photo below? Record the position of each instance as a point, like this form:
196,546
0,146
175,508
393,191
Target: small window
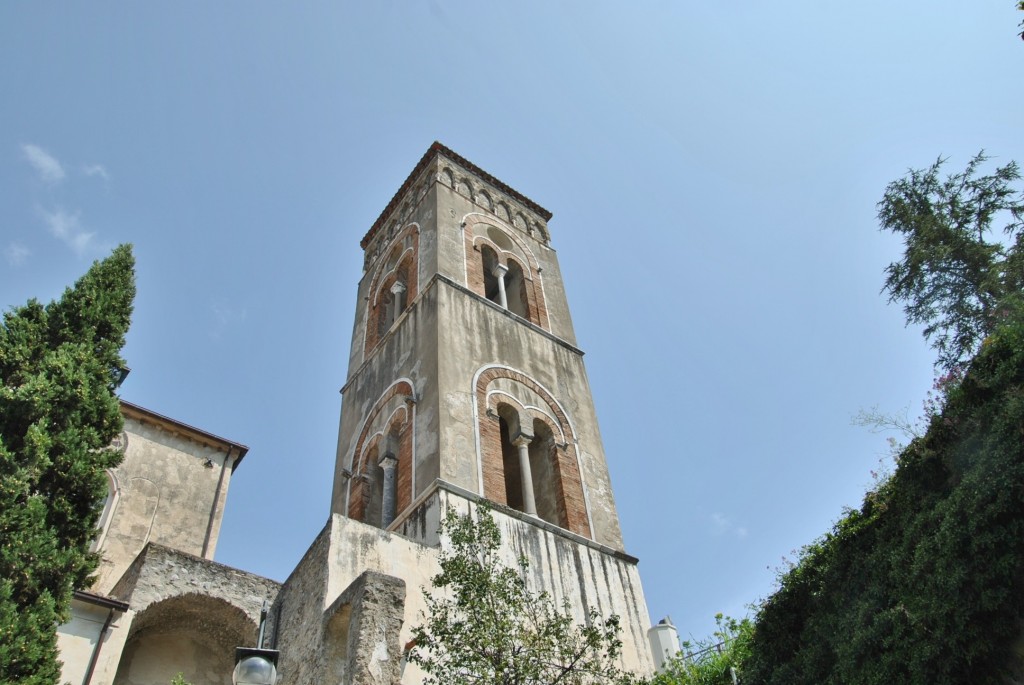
544,468
492,290
515,290
510,463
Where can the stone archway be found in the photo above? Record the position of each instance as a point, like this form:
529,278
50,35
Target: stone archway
192,634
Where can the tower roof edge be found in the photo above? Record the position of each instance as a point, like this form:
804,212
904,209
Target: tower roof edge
433,151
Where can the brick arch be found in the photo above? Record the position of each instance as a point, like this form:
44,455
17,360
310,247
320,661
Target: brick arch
496,397
504,256
383,280
399,424
405,268
533,287
567,479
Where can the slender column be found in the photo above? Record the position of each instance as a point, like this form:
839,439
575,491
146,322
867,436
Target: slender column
387,505
397,300
499,272
522,443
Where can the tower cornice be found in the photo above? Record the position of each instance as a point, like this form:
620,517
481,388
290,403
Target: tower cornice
435,150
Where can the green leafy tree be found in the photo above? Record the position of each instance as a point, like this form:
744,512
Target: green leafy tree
922,584
716,660
58,413
956,277
484,626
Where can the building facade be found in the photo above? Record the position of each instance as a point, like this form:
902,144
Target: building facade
160,604
465,383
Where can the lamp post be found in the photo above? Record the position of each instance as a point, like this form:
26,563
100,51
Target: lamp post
255,665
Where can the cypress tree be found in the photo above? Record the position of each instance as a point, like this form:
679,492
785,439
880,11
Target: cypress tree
59,366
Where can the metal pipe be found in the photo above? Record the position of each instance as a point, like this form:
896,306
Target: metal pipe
216,502
96,650
263,624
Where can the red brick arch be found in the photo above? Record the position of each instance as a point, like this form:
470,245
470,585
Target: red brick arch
568,481
533,290
401,424
406,269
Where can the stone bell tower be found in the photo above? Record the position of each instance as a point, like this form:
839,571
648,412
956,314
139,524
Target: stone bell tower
464,384
464,366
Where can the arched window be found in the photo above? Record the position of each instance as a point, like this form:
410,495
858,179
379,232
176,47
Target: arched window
510,459
546,478
109,504
381,485
501,266
541,496
493,286
528,451
379,481
393,286
515,290
373,482
390,305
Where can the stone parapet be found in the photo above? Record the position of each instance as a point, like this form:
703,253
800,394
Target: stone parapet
160,573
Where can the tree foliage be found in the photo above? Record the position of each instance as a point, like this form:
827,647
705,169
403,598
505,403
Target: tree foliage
58,414
485,626
956,277
924,583
711,661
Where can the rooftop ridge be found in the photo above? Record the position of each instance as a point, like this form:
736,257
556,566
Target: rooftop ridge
148,415
433,151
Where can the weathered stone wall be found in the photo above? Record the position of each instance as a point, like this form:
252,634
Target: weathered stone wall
169,490
417,213
348,638
161,573
478,336
570,567
456,208
406,354
296,619
186,614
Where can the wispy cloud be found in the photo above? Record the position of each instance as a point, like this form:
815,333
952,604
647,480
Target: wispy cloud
225,317
96,170
68,229
16,254
722,524
45,164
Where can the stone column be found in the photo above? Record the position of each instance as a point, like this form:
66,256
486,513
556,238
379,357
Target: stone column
388,499
522,443
499,272
397,300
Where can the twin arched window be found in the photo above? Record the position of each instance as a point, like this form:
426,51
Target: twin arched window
393,287
528,452
380,487
504,283
530,469
501,267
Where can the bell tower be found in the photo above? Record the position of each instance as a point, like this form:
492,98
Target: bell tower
464,367
464,385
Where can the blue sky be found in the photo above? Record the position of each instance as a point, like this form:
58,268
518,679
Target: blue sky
712,168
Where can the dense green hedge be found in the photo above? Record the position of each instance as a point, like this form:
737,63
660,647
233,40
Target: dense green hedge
925,582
